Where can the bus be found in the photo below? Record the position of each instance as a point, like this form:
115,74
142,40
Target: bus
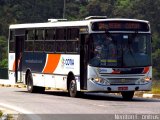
97,54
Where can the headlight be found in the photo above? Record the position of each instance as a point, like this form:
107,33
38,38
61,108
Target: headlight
143,80
100,80
147,79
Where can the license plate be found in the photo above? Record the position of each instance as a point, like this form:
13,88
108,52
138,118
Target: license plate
122,88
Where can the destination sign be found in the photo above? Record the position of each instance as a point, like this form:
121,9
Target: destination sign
120,26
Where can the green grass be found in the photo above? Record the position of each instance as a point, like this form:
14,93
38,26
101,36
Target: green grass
9,117
1,113
156,87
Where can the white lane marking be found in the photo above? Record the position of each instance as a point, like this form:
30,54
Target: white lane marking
30,114
99,105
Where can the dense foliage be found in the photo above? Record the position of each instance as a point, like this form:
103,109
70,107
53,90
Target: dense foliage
25,11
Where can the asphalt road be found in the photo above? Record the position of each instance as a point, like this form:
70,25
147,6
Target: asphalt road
58,103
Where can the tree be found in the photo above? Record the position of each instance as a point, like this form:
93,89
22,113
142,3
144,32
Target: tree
22,11
99,8
3,51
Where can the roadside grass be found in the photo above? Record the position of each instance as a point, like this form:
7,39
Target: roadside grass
7,117
156,87
10,117
1,113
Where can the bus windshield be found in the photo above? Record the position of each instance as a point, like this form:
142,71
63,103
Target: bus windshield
120,50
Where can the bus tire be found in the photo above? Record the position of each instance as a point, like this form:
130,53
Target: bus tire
31,88
127,95
72,88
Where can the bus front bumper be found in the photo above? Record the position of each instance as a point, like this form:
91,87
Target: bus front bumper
92,86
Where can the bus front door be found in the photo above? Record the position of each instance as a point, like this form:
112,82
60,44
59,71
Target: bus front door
83,61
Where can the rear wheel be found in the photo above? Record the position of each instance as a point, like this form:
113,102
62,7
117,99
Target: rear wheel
31,88
127,95
72,88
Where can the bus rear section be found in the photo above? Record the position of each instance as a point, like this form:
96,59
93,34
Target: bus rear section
48,56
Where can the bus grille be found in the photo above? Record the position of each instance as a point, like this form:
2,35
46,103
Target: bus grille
117,81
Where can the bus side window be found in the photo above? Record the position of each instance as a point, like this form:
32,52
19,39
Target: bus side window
60,40
30,34
39,34
29,45
49,43
39,40
73,40
29,41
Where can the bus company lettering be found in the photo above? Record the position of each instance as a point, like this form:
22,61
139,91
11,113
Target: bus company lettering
33,61
67,63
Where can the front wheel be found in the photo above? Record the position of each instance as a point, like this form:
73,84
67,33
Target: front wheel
127,95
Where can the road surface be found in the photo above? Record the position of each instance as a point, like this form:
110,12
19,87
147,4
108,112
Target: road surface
52,102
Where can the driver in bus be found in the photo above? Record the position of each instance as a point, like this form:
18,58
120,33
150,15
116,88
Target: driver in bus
109,55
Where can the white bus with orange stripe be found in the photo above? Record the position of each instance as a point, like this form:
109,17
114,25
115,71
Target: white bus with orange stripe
92,55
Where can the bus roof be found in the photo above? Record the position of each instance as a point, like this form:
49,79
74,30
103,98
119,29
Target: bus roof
67,23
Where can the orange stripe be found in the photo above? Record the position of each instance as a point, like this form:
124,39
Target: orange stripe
53,60
146,69
14,66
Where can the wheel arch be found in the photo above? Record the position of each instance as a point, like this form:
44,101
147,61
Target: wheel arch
70,77
27,72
